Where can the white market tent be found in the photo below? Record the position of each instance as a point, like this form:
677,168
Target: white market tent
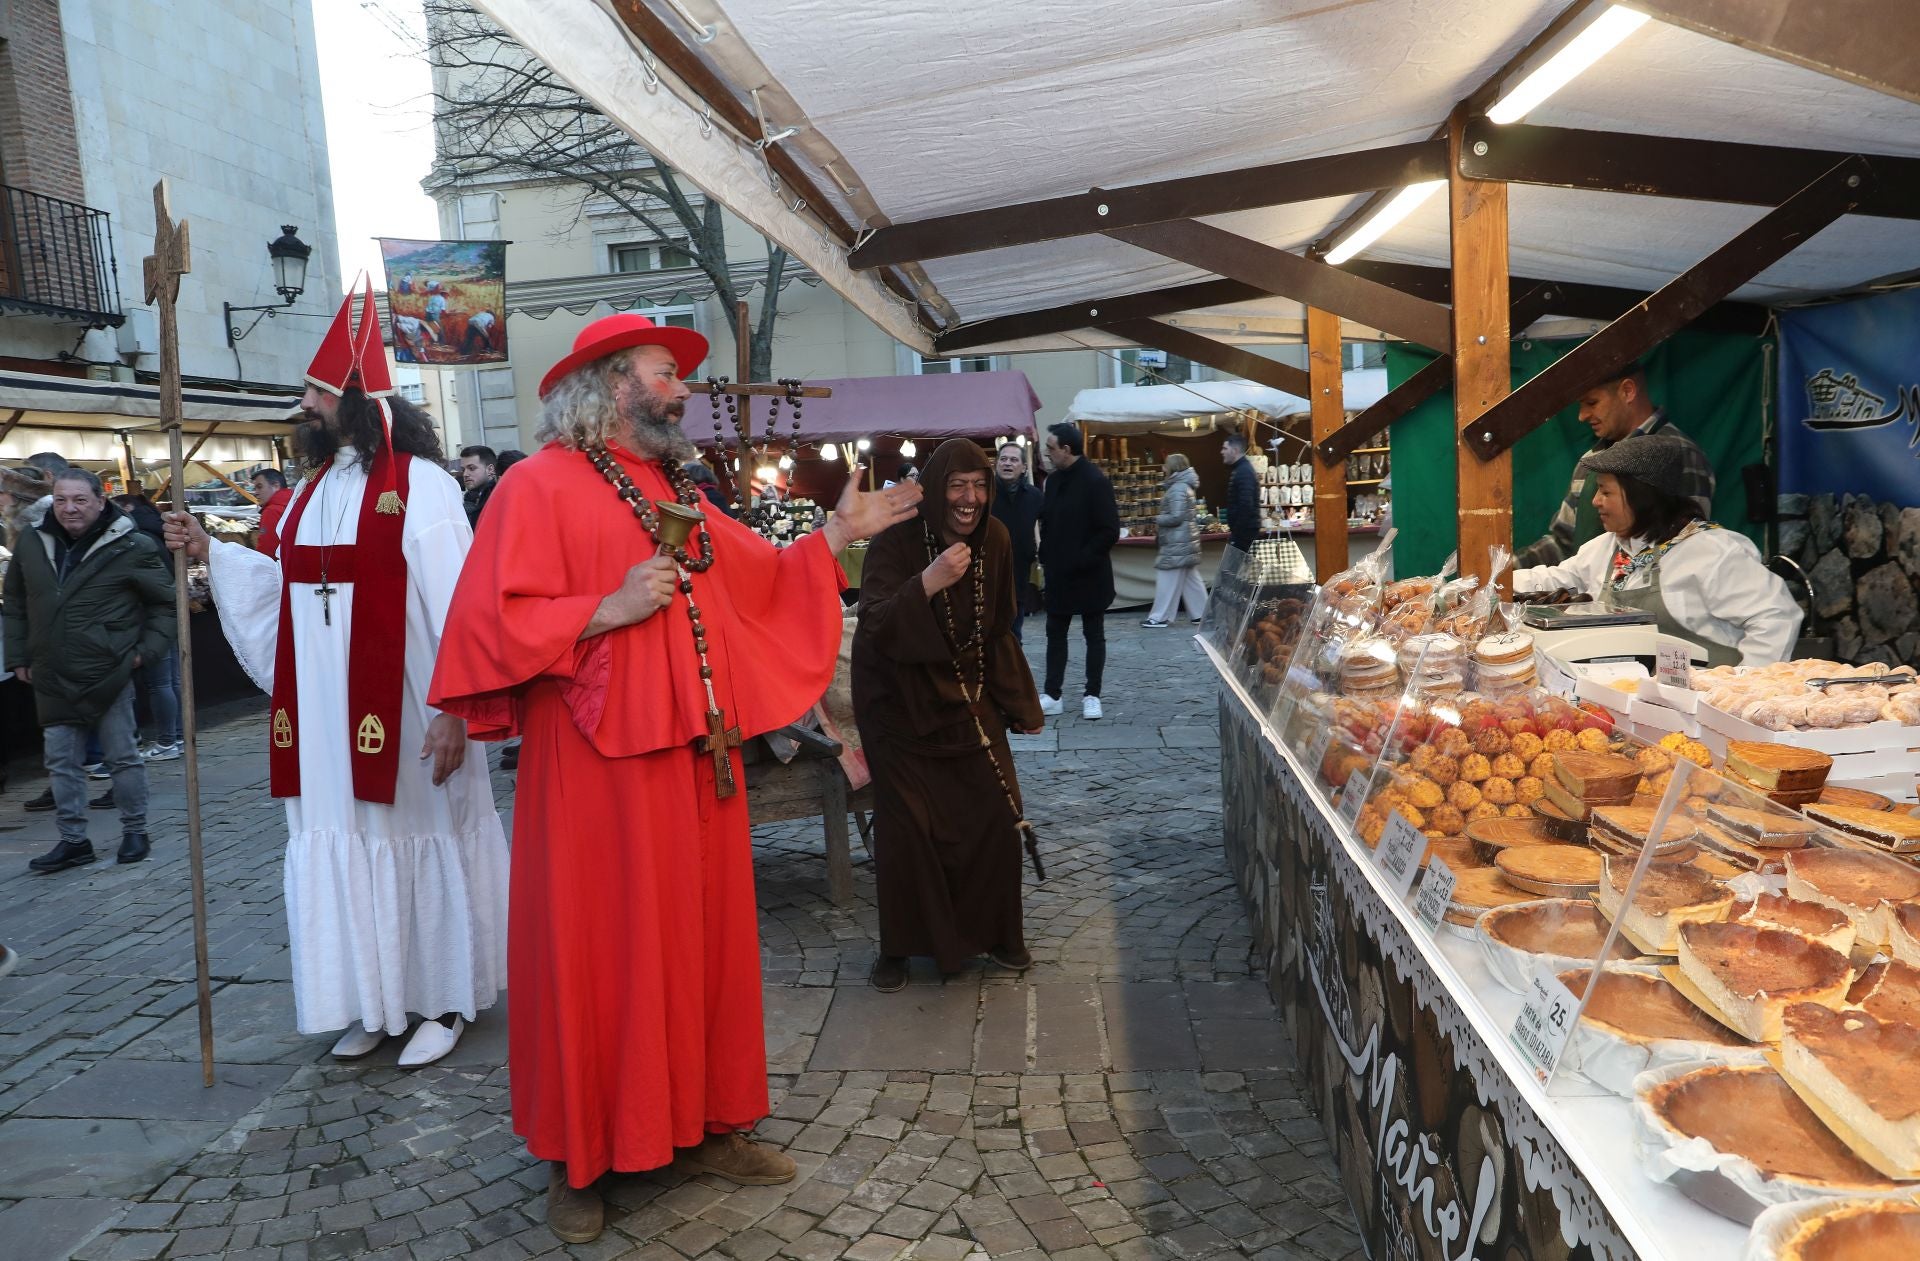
1170,404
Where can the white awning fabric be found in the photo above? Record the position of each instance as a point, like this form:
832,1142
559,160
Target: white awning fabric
924,109
1163,405
80,419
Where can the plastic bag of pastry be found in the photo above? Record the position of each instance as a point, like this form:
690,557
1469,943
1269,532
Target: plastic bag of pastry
1830,1227
1746,1124
1418,590
1355,593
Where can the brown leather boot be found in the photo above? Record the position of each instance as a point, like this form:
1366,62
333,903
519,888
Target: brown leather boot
739,1159
574,1214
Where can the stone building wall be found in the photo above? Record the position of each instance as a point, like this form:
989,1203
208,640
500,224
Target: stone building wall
1863,561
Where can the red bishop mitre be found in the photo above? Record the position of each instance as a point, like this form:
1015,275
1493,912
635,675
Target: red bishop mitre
352,356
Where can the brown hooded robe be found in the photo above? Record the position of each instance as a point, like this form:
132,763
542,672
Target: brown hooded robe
946,855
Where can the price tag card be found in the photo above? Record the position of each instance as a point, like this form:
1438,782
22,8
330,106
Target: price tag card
1354,797
1316,750
1399,851
1674,667
1436,892
1545,1023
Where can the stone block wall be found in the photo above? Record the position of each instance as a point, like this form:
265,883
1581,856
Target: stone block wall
1863,561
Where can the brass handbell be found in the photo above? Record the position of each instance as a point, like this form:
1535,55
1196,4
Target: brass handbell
676,523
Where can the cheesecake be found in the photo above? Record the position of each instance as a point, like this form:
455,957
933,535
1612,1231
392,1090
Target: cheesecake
1855,882
1856,1230
1778,767
1890,990
1550,870
1562,927
1751,1112
1883,829
1628,828
1903,932
1860,1068
1670,894
1596,778
1764,829
1824,924
1643,1008
1752,973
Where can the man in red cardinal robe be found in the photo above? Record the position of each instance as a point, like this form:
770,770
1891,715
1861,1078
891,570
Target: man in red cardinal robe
631,674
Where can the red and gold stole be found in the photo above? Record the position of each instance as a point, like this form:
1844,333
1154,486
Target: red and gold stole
376,641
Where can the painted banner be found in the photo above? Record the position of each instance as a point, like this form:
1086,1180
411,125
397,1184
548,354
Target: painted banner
446,301
1850,398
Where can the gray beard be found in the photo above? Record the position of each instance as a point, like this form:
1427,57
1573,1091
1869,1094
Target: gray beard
661,440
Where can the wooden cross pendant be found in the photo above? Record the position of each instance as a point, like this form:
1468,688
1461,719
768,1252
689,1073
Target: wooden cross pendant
719,739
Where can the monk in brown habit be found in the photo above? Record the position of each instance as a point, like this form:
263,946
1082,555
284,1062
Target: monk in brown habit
938,681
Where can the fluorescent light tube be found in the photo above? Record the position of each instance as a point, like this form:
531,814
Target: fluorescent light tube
1404,203
1601,37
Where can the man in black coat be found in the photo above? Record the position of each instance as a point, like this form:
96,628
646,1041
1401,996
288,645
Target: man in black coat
1079,524
1243,492
1017,504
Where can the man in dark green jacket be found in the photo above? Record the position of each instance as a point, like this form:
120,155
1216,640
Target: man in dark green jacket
88,599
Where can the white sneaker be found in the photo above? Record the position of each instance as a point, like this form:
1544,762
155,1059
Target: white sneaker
159,752
357,1043
1090,708
432,1041
1049,704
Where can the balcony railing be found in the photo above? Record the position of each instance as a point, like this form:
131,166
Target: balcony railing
56,259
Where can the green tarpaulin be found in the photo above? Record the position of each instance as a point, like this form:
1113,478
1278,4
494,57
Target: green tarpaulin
1713,385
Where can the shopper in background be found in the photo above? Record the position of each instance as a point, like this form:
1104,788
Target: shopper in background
703,476
1243,492
506,460
157,682
1016,505
1176,570
479,475
271,489
88,600
1079,524
1617,409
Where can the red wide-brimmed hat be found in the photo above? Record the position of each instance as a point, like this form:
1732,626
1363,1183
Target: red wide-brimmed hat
619,332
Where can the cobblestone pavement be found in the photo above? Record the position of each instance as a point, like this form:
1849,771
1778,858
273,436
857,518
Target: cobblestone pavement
1131,1096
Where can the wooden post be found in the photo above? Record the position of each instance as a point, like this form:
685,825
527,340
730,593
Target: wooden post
743,372
1329,413
172,258
1481,354
126,462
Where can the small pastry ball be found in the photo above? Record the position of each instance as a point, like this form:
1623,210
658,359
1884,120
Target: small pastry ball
1500,792
1444,771
1593,740
1528,746
1492,742
1453,742
1541,766
1518,811
1509,766
1654,785
1528,788
1463,796
1474,711
1426,794
1653,761
1485,810
1559,740
1371,825
1421,758
1414,816
1434,834
1390,799
1516,726
1474,767
1446,820
1695,752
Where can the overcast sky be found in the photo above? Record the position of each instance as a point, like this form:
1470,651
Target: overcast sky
376,89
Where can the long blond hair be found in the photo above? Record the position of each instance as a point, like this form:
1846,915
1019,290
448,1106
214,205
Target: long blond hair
581,411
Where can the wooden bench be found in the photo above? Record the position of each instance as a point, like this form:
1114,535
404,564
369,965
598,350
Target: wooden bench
811,784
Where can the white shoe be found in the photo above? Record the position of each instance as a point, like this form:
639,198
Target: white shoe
357,1043
432,1041
163,752
1049,704
1090,708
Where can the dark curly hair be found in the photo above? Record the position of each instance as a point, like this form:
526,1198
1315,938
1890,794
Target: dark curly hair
359,427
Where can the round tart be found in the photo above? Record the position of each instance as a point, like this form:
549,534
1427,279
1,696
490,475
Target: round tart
1490,836
1479,889
1551,870
1859,883
1670,894
1641,1007
1867,1230
1749,1111
1558,822
1563,927
1455,851
1834,795
1753,973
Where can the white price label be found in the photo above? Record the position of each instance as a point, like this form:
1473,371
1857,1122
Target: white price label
1354,797
1436,893
1399,851
1316,752
1674,667
1545,1023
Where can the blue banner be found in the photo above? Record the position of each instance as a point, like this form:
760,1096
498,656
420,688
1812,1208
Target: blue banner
1850,398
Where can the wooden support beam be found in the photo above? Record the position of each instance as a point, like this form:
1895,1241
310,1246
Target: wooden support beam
1329,476
1425,383
1275,271
1482,353
1577,301
1869,42
192,451
1076,316
1103,209
6,426
1672,166
232,485
758,390
1674,307
1215,354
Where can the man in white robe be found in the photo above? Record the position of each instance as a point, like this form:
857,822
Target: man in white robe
393,908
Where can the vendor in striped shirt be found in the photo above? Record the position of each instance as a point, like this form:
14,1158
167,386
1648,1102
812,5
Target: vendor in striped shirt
1616,409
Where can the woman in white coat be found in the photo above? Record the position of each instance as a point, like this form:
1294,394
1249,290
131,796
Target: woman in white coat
1701,583
1176,570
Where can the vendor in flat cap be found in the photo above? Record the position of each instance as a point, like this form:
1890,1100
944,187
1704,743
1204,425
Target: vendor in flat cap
1657,553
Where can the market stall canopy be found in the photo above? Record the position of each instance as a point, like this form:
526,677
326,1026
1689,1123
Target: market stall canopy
980,405
1162,405
965,173
81,419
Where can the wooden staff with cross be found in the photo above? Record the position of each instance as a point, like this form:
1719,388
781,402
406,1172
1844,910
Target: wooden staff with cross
171,259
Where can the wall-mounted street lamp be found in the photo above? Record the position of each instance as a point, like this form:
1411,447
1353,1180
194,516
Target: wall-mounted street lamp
289,255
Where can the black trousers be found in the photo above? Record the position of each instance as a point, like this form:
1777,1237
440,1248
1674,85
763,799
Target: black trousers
1094,627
